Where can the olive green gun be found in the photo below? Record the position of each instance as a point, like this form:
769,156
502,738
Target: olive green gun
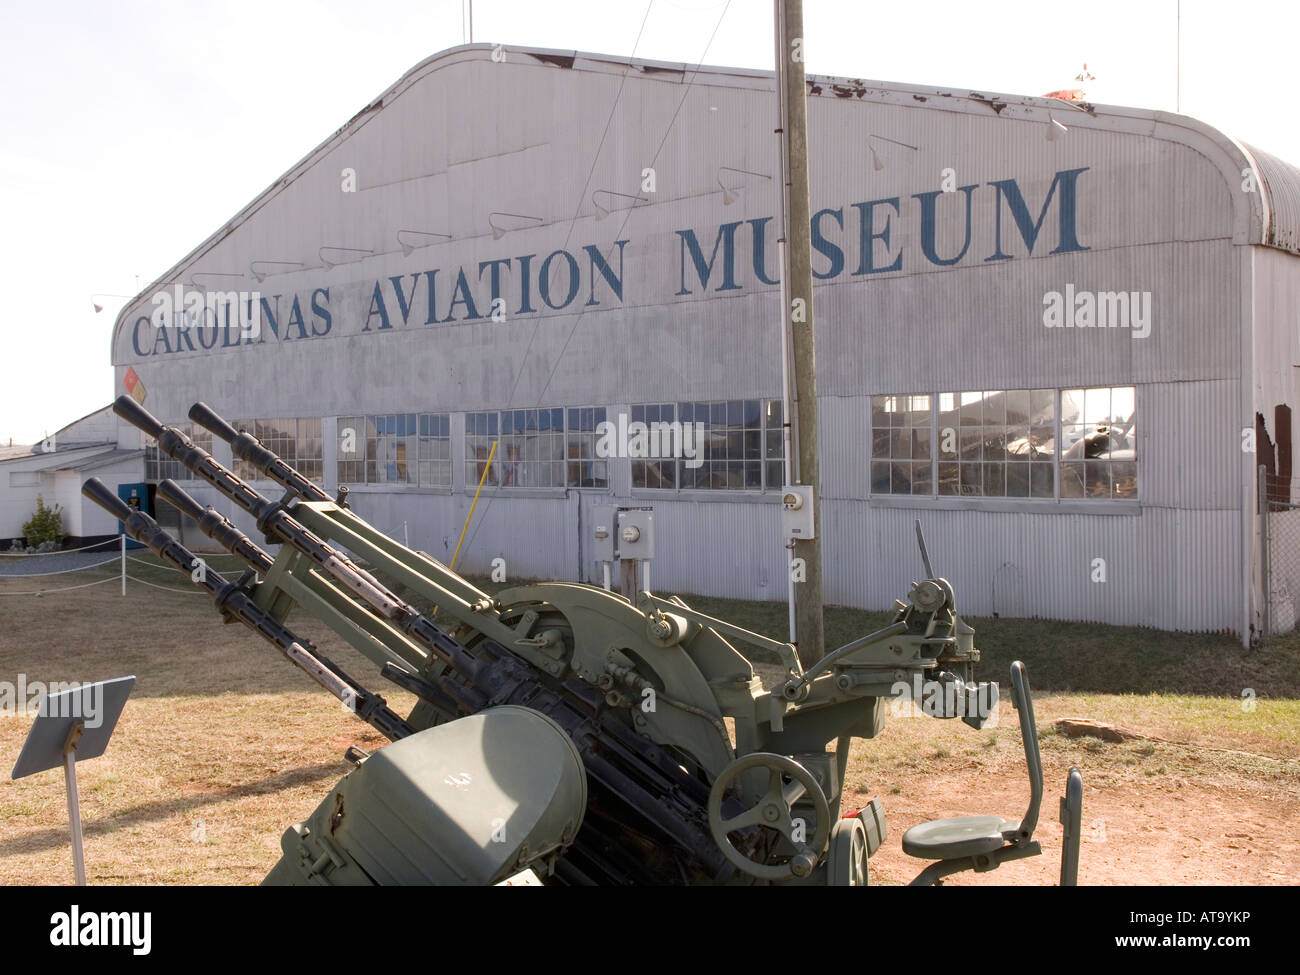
562,730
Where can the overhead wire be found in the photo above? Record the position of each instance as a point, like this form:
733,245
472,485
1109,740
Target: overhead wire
628,216
582,196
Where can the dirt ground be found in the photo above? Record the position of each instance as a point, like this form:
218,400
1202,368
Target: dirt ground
1206,819
224,745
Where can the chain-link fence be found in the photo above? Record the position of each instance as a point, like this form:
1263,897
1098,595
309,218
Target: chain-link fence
1279,511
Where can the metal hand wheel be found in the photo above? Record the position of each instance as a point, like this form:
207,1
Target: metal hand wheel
773,811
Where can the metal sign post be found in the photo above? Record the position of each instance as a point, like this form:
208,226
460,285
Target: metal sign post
74,800
75,723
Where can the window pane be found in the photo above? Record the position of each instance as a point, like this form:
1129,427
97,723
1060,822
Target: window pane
900,478
1124,479
998,435
949,482
921,478
1040,480
480,435
879,477
901,432
880,443
585,468
1099,443
1017,480
1072,479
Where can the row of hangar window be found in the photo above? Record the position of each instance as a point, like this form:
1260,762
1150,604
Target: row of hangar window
1027,443
740,449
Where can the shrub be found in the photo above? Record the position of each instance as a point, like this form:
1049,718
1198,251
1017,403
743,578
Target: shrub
46,525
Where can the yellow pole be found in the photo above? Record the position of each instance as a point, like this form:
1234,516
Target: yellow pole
456,554
486,467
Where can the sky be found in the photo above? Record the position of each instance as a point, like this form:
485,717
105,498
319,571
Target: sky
130,131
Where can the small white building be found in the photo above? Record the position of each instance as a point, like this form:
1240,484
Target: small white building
1062,335
55,469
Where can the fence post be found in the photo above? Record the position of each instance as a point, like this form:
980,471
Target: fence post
123,563
1265,581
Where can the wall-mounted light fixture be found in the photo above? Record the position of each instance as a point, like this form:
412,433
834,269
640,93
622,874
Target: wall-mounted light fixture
347,250
98,306
1055,128
877,163
262,275
408,247
499,232
729,193
603,212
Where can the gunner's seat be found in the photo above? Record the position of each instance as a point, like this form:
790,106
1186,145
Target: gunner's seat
982,843
962,836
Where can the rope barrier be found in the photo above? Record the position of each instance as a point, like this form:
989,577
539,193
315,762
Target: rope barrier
199,555
65,551
62,572
183,592
117,558
98,582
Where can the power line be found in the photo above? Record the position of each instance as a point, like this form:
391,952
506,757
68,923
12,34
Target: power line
582,311
582,196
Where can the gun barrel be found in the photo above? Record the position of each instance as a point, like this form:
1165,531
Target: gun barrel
205,416
216,526
190,455
277,523
135,414
250,450
235,603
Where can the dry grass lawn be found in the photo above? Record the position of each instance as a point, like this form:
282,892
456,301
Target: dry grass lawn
224,744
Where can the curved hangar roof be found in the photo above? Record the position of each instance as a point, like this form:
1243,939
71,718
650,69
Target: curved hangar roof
1269,217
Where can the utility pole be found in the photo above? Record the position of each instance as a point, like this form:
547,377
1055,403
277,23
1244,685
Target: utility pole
806,554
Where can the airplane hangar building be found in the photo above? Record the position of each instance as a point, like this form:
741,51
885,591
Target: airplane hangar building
1047,329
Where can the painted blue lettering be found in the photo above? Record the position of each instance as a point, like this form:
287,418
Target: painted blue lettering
928,225
704,270
1010,191
596,263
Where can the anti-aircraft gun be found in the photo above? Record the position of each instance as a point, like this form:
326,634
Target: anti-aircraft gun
562,730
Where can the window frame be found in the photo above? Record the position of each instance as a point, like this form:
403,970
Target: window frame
372,431
257,428
1111,504
766,492
158,466
580,438
565,435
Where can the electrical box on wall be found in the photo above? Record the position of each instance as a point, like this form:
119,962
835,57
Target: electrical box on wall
635,533
603,532
622,533
797,511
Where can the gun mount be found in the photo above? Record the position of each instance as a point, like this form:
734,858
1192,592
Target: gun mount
694,771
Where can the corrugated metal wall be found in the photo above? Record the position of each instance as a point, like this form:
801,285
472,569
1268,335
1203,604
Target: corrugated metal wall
464,137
